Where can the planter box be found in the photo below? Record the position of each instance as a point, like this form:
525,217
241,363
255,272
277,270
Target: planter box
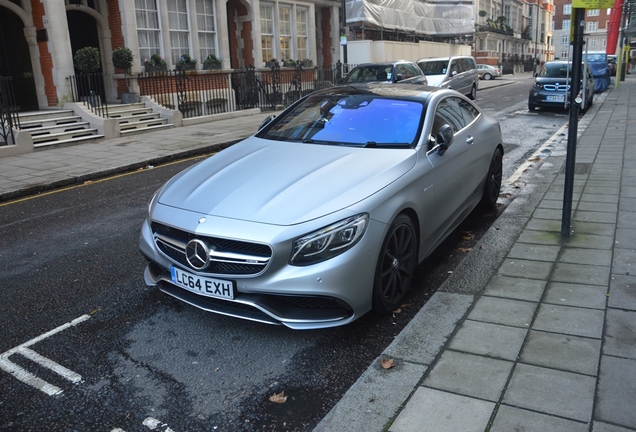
149,68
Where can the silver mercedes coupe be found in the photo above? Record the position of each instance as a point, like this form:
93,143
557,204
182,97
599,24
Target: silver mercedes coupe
324,213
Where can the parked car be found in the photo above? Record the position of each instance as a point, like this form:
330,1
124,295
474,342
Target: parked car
325,212
488,72
457,73
398,71
551,87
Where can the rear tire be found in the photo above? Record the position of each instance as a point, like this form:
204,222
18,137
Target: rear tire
396,266
492,188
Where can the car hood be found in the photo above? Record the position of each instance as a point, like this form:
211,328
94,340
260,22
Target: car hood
284,183
435,80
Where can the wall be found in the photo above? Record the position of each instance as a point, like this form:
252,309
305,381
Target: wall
366,51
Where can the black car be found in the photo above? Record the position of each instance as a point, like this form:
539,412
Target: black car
551,87
402,71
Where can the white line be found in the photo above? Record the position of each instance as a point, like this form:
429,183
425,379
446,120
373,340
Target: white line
47,334
28,378
50,364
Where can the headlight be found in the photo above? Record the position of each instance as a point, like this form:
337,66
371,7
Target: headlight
329,241
538,86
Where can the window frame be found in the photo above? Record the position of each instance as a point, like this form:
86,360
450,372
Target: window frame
148,49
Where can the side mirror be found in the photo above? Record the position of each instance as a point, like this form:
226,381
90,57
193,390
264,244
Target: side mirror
445,137
267,121
398,77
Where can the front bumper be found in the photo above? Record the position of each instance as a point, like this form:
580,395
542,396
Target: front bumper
327,294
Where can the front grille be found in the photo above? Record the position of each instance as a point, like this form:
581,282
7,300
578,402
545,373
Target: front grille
246,258
556,87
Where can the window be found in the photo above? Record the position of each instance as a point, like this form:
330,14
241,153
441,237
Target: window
267,31
565,39
567,9
566,25
148,31
593,12
302,52
179,33
284,32
207,28
591,26
565,54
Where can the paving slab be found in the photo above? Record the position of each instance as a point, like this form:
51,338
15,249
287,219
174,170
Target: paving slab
564,352
469,375
515,419
570,320
579,295
526,268
616,392
503,311
492,340
620,334
550,391
581,274
622,293
439,411
516,288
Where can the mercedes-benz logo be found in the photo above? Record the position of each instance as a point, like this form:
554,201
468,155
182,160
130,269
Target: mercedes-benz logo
197,254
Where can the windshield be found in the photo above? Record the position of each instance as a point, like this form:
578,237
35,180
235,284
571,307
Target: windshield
595,57
437,67
370,73
556,70
351,119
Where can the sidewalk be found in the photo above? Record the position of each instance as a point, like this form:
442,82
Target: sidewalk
541,338
544,339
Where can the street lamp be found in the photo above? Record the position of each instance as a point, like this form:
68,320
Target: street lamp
344,31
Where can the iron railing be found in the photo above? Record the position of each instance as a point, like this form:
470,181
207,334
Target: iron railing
9,118
196,94
89,88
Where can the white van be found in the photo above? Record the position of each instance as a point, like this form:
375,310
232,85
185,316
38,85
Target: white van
457,73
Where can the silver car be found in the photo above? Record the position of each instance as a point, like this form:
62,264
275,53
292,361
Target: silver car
325,212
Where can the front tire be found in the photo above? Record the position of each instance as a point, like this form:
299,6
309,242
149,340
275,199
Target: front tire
492,188
396,266
473,92
487,76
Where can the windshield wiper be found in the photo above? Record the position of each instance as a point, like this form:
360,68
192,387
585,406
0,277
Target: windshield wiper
373,144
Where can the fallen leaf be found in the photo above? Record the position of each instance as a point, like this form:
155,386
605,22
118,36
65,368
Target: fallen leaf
278,397
464,249
387,363
397,311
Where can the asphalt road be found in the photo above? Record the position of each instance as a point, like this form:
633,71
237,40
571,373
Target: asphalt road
134,356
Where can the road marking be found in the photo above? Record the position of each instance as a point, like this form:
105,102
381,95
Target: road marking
24,350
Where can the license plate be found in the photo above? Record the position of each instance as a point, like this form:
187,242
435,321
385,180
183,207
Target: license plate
201,285
555,98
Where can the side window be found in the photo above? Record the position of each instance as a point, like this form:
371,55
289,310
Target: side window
454,67
449,113
469,112
403,70
413,70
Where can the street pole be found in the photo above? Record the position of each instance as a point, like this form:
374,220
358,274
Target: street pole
344,31
575,87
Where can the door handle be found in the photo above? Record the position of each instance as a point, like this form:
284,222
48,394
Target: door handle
470,140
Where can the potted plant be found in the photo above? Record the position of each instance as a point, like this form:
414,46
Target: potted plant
123,59
271,63
212,62
307,63
186,62
87,60
289,63
155,63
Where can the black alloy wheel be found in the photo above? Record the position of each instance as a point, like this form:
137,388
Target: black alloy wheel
396,266
492,188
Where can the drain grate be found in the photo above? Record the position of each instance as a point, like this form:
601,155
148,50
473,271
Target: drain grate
579,168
